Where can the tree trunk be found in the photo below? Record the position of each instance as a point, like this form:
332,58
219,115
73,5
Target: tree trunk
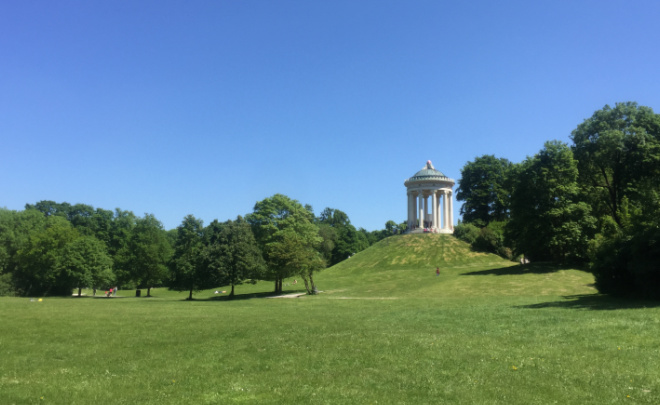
231,294
148,291
190,295
306,284
311,281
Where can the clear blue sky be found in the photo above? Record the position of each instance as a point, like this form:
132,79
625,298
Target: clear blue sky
206,107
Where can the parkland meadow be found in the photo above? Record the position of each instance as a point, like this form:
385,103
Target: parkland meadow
384,329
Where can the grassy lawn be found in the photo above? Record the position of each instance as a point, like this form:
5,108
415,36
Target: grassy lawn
384,330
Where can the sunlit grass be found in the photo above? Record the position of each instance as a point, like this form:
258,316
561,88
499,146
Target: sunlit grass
479,333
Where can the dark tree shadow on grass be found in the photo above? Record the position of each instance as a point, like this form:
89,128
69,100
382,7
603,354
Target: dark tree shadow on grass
532,268
599,302
238,297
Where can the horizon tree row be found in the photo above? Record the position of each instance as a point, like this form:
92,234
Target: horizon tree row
53,248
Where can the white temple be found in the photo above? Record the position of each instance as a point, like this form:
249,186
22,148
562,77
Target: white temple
430,205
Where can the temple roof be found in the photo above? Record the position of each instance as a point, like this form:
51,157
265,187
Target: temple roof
428,172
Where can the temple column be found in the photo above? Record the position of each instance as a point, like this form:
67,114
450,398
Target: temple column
446,210
438,214
420,210
426,210
434,210
451,210
409,221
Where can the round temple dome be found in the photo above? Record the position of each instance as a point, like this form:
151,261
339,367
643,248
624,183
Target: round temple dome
428,173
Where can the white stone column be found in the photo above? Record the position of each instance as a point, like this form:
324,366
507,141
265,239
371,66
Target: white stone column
434,210
445,211
426,210
409,220
451,211
438,215
440,192
420,210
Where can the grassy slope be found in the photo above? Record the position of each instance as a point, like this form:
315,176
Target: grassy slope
385,330
405,266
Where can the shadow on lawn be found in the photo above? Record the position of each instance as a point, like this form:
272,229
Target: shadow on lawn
533,268
238,297
594,302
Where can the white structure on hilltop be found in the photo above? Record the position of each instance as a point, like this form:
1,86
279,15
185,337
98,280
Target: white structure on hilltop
430,205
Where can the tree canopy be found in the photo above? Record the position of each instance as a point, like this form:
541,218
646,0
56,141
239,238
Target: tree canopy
485,187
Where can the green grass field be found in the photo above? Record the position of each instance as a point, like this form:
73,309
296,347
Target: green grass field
385,329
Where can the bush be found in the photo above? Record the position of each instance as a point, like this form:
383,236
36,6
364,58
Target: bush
487,239
629,264
466,232
6,286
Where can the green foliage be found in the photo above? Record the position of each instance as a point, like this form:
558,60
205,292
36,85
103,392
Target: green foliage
186,265
485,187
626,263
38,271
489,238
147,253
466,232
280,224
618,154
84,262
232,254
548,221
347,241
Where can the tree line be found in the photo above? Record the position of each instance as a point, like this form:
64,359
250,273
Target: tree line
595,202
53,248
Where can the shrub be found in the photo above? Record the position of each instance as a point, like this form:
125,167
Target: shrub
466,232
629,264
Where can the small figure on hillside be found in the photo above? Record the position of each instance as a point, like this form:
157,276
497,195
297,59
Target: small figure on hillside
437,271
114,292
295,282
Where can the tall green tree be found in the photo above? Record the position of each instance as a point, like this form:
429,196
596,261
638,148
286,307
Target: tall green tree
618,154
37,269
147,253
15,230
187,263
273,221
485,188
121,228
84,262
548,221
296,249
232,254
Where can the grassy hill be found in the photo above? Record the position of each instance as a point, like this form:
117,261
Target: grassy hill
405,265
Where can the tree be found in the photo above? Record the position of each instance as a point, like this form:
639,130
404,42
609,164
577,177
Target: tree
187,265
84,262
548,222
485,187
121,228
147,253
296,249
618,154
273,221
348,240
37,269
232,254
